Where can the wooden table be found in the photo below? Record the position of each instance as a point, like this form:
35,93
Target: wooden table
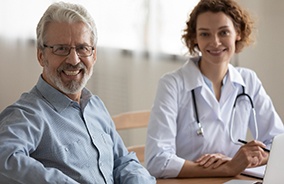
203,180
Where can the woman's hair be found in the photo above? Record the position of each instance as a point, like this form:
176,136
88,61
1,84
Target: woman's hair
65,12
240,18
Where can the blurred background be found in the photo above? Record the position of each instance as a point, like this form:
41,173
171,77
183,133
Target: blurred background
138,42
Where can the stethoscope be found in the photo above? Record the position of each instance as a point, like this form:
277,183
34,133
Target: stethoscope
200,130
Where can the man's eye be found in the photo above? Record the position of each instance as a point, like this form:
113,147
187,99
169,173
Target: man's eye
61,48
83,48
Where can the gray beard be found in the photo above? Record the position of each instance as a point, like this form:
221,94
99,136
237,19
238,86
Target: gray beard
72,87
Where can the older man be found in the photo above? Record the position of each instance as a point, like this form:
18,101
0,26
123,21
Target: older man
59,132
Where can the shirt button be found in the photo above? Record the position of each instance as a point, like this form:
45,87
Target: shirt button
66,149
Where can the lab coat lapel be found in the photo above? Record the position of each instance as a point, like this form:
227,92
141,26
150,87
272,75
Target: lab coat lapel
211,100
229,89
228,92
194,80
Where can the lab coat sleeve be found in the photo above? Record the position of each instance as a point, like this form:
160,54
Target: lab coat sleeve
268,121
160,154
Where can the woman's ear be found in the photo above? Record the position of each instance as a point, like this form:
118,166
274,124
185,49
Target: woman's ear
238,37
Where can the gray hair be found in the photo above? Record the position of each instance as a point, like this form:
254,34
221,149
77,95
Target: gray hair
65,12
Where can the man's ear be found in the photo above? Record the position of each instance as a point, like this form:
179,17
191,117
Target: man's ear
95,55
40,56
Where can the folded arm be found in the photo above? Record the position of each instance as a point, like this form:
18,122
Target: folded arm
249,155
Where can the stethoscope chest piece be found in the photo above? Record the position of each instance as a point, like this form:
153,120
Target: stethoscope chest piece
200,130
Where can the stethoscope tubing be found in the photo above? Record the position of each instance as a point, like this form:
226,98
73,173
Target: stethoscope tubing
200,130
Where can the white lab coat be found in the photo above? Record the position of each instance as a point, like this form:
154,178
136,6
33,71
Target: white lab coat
172,132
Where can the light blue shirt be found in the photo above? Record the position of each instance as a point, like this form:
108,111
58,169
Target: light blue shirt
172,131
45,137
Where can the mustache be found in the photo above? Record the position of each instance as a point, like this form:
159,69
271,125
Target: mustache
66,66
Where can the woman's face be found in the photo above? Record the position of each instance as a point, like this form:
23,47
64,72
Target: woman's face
216,37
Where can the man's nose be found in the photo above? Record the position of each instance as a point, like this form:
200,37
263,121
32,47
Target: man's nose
73,57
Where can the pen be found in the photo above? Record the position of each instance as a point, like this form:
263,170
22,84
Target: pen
245,142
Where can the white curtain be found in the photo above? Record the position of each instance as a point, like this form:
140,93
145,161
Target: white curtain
137,26
144,25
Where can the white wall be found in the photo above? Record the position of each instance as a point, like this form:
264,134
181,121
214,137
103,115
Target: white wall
19,69
266,55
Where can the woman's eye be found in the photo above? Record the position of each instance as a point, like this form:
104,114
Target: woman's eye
224,33
204,34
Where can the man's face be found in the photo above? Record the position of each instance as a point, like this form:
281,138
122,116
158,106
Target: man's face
69,74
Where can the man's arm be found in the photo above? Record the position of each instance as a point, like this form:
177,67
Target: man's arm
20,168
18,138
128,170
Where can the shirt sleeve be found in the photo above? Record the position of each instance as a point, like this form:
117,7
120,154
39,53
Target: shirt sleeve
17,138
127,168
161,159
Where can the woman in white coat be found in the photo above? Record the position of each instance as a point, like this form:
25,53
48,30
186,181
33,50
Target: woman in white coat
197,116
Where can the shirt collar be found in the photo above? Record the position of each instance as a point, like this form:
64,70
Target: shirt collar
235,76
191,74
57,99
193,77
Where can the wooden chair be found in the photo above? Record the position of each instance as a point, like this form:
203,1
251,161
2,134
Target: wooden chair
132,120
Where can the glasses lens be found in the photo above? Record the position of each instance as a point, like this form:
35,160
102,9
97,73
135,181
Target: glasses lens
84,50
62,50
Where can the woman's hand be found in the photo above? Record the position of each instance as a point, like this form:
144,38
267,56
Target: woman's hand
249,155
214,160
255,154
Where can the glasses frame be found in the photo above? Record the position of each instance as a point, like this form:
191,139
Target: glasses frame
70,47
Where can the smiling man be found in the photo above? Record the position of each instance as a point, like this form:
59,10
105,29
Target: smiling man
67,57
59,132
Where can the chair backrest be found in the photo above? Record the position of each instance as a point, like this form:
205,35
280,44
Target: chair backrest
131,120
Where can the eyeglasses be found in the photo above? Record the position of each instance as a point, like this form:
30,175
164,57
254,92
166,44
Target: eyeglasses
64,50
